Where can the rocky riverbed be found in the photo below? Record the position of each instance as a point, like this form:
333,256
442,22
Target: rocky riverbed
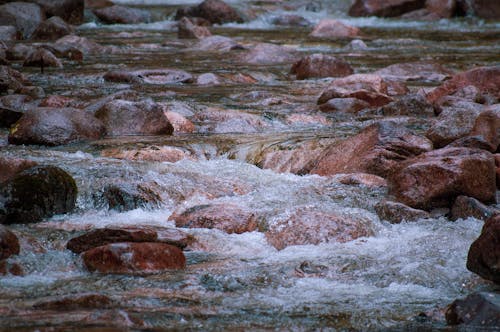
249,165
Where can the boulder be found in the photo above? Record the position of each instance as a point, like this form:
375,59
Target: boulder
24,16
179,122
320,65
310,226
415,71
188,30
122,15
377,149
442,8
434,179
409,105
208,79
134,257
56,101
55,126
130,196
11,79
395,212
214,120
123,117
346,105
384,8
9,243
484,253
42,58
37,193
72,43
487,127
215,11
9,116
333,29
19,51
10,166
69,10
154,76
217,44
268,54
364,179
8,32
290,20
465,207
52,29
486,9
478,312
225,217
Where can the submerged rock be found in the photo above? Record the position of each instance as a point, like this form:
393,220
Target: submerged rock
9,243
333,29
478,311
37,193
320,65
215,11
151,153
484,253
290,20
122,15
384,8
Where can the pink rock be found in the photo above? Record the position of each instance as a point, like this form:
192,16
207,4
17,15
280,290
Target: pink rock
215,11
347,105
365,179
122,15
384,8
415,71
51,29
267,54
333,29
152,153
179,122
56,101
320,65
188,30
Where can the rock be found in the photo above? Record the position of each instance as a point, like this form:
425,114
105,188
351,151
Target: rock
395,212
24,16
215,11
42,58
486,9
17,102
158,76
37,193
51,29
208,79
55,126
8,32
93,4
290,20
308,119
133,257
434,179
356,45
103,236
346,105
75,302
130,196
69,10
384,8
218,44
320,65
365,179
465,207
214,120
122,15
70,43
415,71
225,217
442,8
485,79
484,253
268,54
487,127
370,88
188,30
377,149
9,116
123,117
7,267
479,311
10,166
56,101
151,153
333,29
179,122
310,226
9,243
409,105
11,79
19,51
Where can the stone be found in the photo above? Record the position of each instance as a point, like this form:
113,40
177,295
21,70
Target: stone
217,44
208,79
69,10
320,65
479,311
334,29
123,117
486,9
484,253
9,243
117,14
56,101
75,302
442,8
37,193
310,226
395,212
42,58
11,79
11,166
268,54
364,179
24,16
130,196
346,105
384,8
214,120
19,51
52,29
377,149
487,126
409,105
158,76
55,126
151,153
179,122
72,43
225,217
290,20
465,207
134,257
425,71
215,11
9,116
188,30
8,32
434,179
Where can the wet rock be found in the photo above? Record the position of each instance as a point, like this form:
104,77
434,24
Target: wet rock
42,58
484,253
99,103
436,178
8,32
310,226
215,11
333,29
395,212
7,267
122,15
188,30
486,9
56,101
308,119
320,65
479,311
377,149
10,166
410,105
225,217
268,54
442,8
155,76
179,122
365,179
465,207
152,153
485,79
9,116
96,4
69,43
215,120
17,102
75,302
346,105
208,79
69,10
384,8
51,29
218,44
487,128
134,257
9,243
415,71
37,193
356,45
103,236
55,126
290,20
11,79
122,117
24,16
19,51
130,196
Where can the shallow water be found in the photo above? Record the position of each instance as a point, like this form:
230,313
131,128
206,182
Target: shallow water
240,282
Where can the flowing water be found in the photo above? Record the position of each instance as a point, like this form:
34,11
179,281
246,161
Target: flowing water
240,282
